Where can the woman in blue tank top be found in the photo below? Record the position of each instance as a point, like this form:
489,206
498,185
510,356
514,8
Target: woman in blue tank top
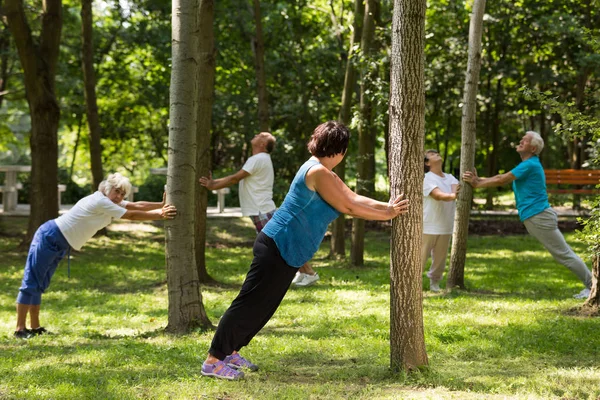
316,197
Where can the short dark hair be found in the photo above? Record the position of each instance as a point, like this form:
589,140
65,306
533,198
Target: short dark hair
425,159
328,139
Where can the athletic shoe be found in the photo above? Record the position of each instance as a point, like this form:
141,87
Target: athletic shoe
584,294
39,331
434,286
23,334
221,370
298,278
236,361
308,280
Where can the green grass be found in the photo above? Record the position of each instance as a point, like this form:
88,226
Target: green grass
510,336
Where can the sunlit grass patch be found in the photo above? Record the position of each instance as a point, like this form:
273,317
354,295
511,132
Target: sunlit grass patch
508,336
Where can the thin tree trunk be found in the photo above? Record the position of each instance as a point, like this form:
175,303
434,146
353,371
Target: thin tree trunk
492,159
39,59
89,79
456,275
185,301
407,130
593,301
365,174
338,231
258,47
4,59
206,85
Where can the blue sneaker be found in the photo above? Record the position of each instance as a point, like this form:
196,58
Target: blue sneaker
221,370
236,361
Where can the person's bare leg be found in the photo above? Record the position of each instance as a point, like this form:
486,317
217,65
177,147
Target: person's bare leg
34,316
22,310
307,269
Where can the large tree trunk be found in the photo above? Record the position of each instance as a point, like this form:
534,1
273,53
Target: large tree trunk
185,301
258,47
89,79
39,58
206,84
365,174
407,130
338,229
456,275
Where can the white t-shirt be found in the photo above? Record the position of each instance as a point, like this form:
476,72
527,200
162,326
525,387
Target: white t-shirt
256,190
438,216
87,217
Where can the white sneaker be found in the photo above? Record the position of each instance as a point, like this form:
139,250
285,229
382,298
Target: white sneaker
308,280
434,286
298,278
584,294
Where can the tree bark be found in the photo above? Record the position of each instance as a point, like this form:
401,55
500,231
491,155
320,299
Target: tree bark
593,301
185,302
4,59
338,229
407,130
206,84
39,58
456,275
258,47
365,174
89,79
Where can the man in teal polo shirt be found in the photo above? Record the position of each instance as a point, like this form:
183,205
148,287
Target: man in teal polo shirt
540,220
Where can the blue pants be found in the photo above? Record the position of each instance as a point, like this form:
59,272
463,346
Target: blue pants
48,247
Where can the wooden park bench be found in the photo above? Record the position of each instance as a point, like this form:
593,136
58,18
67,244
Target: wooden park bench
573,181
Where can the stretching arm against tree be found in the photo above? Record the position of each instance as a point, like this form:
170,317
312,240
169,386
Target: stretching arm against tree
440,195
494,181
215,184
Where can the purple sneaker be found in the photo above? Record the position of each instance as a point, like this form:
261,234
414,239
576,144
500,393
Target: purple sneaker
236,361
221,370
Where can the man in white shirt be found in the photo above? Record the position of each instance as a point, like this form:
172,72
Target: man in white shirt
439,204
255,180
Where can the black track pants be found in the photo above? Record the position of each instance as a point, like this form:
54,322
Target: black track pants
263,290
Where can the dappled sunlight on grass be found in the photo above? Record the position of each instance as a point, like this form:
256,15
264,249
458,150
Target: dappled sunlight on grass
507,336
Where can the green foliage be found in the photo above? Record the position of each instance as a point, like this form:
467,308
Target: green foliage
510,336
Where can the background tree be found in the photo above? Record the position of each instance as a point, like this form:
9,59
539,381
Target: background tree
39,59
89,79
407,126
186,310
258,48
456,274
338,227
365,176
206,84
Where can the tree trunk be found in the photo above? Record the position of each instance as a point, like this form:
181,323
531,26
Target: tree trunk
338,230
365,174
89,79
456,275
4,59
407,130
206,84
258,47
185,301
492,159
39,58
593,302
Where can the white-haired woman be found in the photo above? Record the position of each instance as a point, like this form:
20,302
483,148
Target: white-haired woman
72,229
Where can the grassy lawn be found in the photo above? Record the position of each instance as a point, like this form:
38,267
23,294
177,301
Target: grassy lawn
510,336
